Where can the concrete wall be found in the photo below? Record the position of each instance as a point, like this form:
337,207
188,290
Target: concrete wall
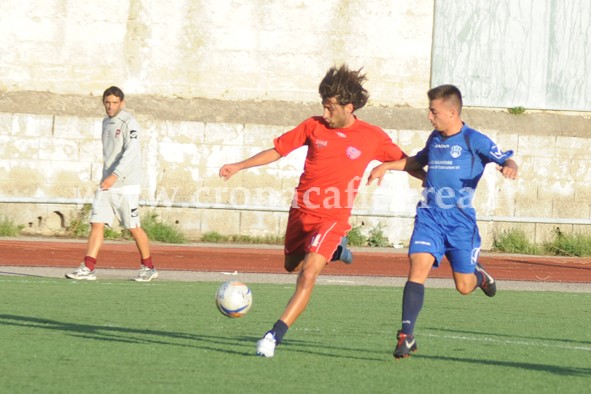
218,49
544,46
214,81
56,157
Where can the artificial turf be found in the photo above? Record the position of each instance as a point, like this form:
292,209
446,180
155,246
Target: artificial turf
59,336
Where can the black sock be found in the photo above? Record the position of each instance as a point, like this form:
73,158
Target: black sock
279,329
337,253
412,303
479,278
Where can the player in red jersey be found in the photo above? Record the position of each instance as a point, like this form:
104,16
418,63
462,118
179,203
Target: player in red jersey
340,147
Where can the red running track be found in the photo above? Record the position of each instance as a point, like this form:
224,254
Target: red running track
196,257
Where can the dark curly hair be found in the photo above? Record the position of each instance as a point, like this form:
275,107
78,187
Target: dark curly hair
345,85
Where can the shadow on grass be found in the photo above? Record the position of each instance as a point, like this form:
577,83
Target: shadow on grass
563,371
6,273
168,338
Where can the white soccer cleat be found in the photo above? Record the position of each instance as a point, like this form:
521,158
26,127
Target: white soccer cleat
266,345
82,273
146,274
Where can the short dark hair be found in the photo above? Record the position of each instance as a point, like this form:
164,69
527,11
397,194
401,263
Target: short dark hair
446,92
345,85
115,91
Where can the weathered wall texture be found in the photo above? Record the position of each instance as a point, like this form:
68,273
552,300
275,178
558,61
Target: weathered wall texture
229,50
53,157
214,81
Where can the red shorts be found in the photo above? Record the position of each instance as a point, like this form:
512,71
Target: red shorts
307,233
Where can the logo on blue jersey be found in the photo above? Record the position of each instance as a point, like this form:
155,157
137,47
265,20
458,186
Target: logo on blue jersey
455,151
474,256
496,152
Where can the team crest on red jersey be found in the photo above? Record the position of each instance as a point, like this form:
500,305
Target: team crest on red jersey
353,153
321,144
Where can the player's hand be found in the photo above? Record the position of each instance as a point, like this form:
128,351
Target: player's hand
378,173
228,170
509,169
108,182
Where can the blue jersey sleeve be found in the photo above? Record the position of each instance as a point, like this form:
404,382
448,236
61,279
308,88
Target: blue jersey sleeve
488,151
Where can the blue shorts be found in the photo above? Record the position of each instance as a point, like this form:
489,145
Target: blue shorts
452,233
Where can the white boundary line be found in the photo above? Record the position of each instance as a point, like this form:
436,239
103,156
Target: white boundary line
561,345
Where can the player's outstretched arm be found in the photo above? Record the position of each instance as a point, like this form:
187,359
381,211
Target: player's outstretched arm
260,159
409,164
509,169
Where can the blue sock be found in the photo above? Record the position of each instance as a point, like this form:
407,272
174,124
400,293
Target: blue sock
279,330
412,303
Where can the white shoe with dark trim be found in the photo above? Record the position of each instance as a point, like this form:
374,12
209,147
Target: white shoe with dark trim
82,273
266,345
146,274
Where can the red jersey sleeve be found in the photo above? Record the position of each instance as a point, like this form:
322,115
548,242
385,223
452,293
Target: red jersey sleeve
293,139
388,150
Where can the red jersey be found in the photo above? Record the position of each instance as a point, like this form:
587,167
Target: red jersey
335,163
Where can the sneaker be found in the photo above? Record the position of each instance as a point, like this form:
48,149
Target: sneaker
146,274
266,345
406,344
343,253
82,273
489,287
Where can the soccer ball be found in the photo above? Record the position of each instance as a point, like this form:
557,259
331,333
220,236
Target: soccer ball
233,299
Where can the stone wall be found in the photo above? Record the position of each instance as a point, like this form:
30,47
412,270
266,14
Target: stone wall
49,159
215,81
215,49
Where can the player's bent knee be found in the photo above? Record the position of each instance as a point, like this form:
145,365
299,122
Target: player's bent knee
464,289
307,279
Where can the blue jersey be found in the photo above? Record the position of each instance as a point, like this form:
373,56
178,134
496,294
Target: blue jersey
456,164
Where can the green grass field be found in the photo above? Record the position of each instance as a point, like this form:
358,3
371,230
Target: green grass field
59,336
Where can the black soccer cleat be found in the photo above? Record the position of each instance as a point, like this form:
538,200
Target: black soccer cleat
405,346
489,286
343,253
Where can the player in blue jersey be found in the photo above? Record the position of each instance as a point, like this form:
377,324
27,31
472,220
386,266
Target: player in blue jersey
445,223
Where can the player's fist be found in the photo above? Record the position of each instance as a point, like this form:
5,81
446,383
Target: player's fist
228,170
508,169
